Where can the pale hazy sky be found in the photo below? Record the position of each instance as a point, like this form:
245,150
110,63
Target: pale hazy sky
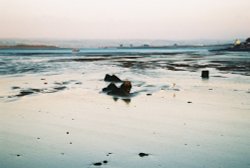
125,19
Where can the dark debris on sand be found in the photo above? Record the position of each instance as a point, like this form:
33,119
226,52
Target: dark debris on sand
143,154
30,91
112,89
109,154
15,87
100,163
112,78
97,164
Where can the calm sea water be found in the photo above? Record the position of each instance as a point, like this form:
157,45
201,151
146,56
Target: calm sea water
21,62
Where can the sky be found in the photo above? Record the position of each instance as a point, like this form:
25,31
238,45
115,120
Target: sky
125,19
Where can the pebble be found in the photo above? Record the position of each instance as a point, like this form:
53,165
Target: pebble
97,164
143,154
109,154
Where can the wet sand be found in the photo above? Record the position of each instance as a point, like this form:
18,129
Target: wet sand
173,120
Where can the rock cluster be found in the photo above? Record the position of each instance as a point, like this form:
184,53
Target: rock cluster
112,89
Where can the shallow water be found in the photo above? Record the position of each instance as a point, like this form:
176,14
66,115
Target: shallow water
19,62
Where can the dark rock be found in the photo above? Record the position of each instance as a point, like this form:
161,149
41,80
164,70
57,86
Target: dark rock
24,93
60,88
109,154
149,94
110,87
115,99
123,90
97,164
36,90
105,162
189,102
28,92
143,154
15,87
67,132
18,155
205,74
113,78
126,86
127,100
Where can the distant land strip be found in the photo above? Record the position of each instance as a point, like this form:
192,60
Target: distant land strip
27,46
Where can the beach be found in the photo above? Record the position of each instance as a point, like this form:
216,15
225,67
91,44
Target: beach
54,113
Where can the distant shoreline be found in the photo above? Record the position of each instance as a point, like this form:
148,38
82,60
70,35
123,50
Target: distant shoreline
51,47
27,46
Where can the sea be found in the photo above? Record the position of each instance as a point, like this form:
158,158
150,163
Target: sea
135,56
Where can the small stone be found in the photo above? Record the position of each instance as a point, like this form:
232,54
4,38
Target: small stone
67,132
38,138
113,78
70,143
18,155
189,102
45,83
149,94
105,161
109,154
143,154
97,164
15,87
